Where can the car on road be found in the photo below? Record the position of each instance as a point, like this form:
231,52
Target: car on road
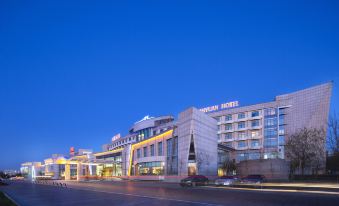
253,179
226,180
194,180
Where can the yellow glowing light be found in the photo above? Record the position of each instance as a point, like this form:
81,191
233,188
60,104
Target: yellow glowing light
155,138
108,152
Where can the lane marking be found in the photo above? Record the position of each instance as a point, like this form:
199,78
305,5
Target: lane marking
11,199
73,186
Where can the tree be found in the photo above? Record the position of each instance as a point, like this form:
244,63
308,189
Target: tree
333,134
306,149
202,159
332,161
228,166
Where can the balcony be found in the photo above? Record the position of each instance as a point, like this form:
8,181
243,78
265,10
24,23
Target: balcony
256,147
242,137
256,137
241,148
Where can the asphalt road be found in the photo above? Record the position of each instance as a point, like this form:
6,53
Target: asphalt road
153,193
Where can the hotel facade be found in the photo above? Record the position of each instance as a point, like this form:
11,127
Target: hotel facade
200,141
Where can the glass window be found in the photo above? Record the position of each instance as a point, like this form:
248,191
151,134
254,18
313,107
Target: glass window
160,149
228,117
241,125
255,133
281,140
255,113
255,143
145,151
218,119
138,153
281,119
241,115
269,133
219,137
228,126
271,142
242,144
241,134
255,123
254,156
169,148
152,150
150,168
270,111
271,122
228,135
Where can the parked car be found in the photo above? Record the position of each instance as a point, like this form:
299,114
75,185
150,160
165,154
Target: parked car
253,179
226,180
195,180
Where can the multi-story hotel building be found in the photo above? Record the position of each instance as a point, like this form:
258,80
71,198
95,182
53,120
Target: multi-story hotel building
198,141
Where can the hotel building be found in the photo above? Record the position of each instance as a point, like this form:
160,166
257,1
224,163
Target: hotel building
199,141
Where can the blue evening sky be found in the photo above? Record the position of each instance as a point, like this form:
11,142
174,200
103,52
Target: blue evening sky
74,73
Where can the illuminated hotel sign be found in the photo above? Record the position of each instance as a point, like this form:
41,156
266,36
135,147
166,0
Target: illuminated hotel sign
115,137
226,105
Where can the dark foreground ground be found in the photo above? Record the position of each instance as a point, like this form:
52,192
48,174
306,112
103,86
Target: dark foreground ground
154,193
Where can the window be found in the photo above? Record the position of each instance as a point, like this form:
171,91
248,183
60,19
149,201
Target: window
219,127
241,115
255,134
255,123
254,156
241,134
160,149
169,147
138,153
281,119
242,144
228,135
255,143
270,122
270,112
152,150
269,133
150,168
271,142
281,140
228,117
219,137
218,119
255,113
145,151
241,125
228,126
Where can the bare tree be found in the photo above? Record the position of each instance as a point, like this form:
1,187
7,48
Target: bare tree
306,149
228,166
333,134
202,159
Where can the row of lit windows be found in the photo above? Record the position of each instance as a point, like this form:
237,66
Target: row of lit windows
243,144
245,134
151,151
241,115
240,125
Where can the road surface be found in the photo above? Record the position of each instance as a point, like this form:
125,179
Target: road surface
153,193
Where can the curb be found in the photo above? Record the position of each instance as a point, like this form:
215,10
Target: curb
322,189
